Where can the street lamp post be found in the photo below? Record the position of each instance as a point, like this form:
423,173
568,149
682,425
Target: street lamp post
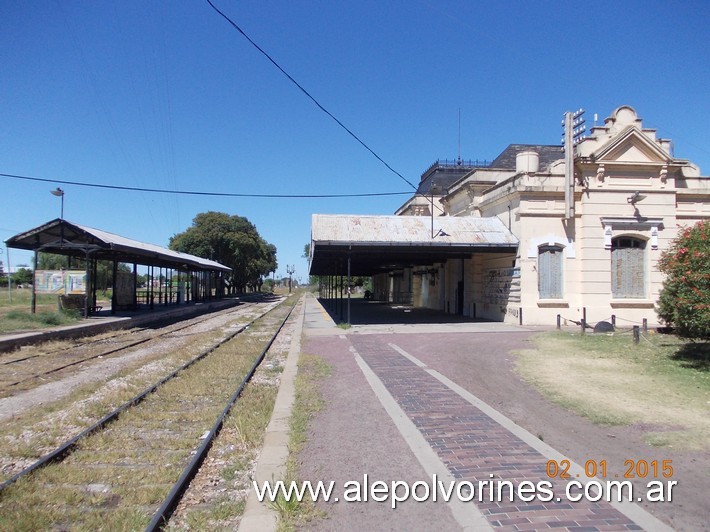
60,193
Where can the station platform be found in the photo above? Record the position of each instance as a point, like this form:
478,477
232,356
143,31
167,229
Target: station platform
104,321
408,402
379,316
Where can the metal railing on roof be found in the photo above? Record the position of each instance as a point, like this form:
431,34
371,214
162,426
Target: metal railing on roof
457,163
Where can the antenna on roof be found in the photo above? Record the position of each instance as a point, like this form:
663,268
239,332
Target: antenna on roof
458,161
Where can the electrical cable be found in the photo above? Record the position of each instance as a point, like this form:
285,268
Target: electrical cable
198,193
304,91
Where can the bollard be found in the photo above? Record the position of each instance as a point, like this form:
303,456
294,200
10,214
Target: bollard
636,334
645,325
613,320
559,322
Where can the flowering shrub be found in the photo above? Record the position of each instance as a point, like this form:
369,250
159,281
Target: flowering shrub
684,301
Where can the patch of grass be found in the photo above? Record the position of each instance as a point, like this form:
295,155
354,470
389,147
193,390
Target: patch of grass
611,381
16,320
311,370
252,416
344,325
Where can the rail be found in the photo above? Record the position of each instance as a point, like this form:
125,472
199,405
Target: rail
162,516
70,445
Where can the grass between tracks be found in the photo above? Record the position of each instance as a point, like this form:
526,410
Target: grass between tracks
662,383
309,400
121,473
39,430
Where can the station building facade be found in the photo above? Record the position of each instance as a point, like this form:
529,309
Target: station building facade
628,196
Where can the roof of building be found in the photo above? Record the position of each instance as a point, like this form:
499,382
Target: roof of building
444,173
380,243
68,238
548,154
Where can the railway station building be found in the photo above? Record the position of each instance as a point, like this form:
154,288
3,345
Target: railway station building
532,234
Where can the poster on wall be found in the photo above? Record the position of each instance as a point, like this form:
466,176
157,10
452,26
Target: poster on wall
49,282
60,282
74,282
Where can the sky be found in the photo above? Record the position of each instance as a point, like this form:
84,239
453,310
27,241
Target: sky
168,95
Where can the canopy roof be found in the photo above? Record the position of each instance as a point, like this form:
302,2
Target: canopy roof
383,243
67,238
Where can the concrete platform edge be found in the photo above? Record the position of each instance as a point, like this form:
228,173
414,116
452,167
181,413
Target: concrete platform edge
96,325
271,465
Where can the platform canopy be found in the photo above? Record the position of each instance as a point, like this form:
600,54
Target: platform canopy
376,244
66,238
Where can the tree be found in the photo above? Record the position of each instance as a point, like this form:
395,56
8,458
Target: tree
684,301
22,276
232,241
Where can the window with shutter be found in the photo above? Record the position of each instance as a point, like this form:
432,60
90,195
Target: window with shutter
549,272
628,275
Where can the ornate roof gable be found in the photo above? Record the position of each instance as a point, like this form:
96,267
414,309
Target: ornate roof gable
632,146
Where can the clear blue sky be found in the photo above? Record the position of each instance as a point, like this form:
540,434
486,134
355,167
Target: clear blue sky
167,95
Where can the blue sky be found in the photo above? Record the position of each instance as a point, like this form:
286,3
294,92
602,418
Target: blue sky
167,95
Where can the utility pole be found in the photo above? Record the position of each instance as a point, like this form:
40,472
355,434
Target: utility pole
574,127
290,271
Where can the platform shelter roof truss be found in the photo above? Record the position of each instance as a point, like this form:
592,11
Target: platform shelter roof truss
376,244
67,238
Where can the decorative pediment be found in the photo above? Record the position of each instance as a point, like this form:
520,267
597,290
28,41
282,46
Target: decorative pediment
632,147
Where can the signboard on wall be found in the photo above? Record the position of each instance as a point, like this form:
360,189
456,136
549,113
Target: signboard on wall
60,282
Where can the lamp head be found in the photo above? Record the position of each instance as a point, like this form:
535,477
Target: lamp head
635,197
57,192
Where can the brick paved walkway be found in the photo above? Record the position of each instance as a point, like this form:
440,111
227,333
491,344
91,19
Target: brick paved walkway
474,446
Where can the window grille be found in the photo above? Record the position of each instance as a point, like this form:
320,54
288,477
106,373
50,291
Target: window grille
549,272
628,275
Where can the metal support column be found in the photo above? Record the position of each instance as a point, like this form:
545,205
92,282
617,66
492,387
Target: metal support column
113,286
34,295
135,286
349,290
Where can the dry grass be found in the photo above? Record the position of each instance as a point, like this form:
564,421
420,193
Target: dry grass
118,474
611,381
311,370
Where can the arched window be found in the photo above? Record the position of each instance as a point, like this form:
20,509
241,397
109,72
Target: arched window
549,272
628,272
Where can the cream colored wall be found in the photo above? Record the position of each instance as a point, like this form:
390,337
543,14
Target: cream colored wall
621,158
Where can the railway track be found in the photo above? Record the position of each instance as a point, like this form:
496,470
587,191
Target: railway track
148,449
17,374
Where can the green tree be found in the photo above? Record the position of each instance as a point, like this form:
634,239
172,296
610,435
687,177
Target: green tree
232,241
22,276
684,301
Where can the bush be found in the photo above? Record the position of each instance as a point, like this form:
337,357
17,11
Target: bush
684,301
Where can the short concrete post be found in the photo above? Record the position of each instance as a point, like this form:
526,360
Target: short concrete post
559,322
583,323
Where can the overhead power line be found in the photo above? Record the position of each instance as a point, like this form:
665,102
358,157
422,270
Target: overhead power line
199,193
304,91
